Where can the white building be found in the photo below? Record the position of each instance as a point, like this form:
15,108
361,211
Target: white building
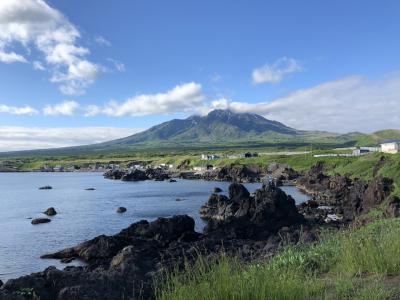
210,156
365,150
392,147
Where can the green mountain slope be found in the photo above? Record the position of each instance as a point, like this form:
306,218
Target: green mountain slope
378,137
217,126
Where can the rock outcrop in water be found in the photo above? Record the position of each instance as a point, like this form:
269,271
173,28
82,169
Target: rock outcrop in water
121,210
50,211
40,221
137,175
46,187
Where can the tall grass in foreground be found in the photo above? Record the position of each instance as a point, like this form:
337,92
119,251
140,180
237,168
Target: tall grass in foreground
350,265
374,249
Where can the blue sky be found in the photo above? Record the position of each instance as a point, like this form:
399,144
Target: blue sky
70,67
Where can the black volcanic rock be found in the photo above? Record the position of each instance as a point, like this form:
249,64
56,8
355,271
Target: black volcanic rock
348,197
50,211
217,190
242,215
136,175
126,265
46,187
121,210
235,173
114,174
157,174
40,221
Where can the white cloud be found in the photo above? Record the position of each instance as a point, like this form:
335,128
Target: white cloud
184,97
13,110
25,138
37,65
349,104
11,57
102,41
275,72
35,23
119,66
66,108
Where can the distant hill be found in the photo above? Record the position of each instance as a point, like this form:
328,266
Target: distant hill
221,129
378,137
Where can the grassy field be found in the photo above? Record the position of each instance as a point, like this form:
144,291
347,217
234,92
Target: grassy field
355,264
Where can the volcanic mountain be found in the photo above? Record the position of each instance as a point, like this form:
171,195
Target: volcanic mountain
219,129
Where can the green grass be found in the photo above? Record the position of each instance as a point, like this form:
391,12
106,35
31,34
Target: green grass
355,264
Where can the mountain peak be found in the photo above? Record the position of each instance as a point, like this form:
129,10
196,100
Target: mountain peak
220,113
218,126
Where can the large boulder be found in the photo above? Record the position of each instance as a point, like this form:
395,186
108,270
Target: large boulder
242,215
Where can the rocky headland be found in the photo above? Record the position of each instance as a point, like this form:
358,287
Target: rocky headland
127,265
251,226
280,173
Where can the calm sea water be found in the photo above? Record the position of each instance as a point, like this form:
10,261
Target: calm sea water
83,214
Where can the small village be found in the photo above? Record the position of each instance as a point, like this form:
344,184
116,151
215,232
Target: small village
389,147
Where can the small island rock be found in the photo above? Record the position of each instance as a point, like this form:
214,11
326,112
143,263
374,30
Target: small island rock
46,187
50,211
217,190
121,210
40,221
90,189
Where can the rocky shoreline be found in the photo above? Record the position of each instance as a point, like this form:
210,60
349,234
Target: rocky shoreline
254,226
280,173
